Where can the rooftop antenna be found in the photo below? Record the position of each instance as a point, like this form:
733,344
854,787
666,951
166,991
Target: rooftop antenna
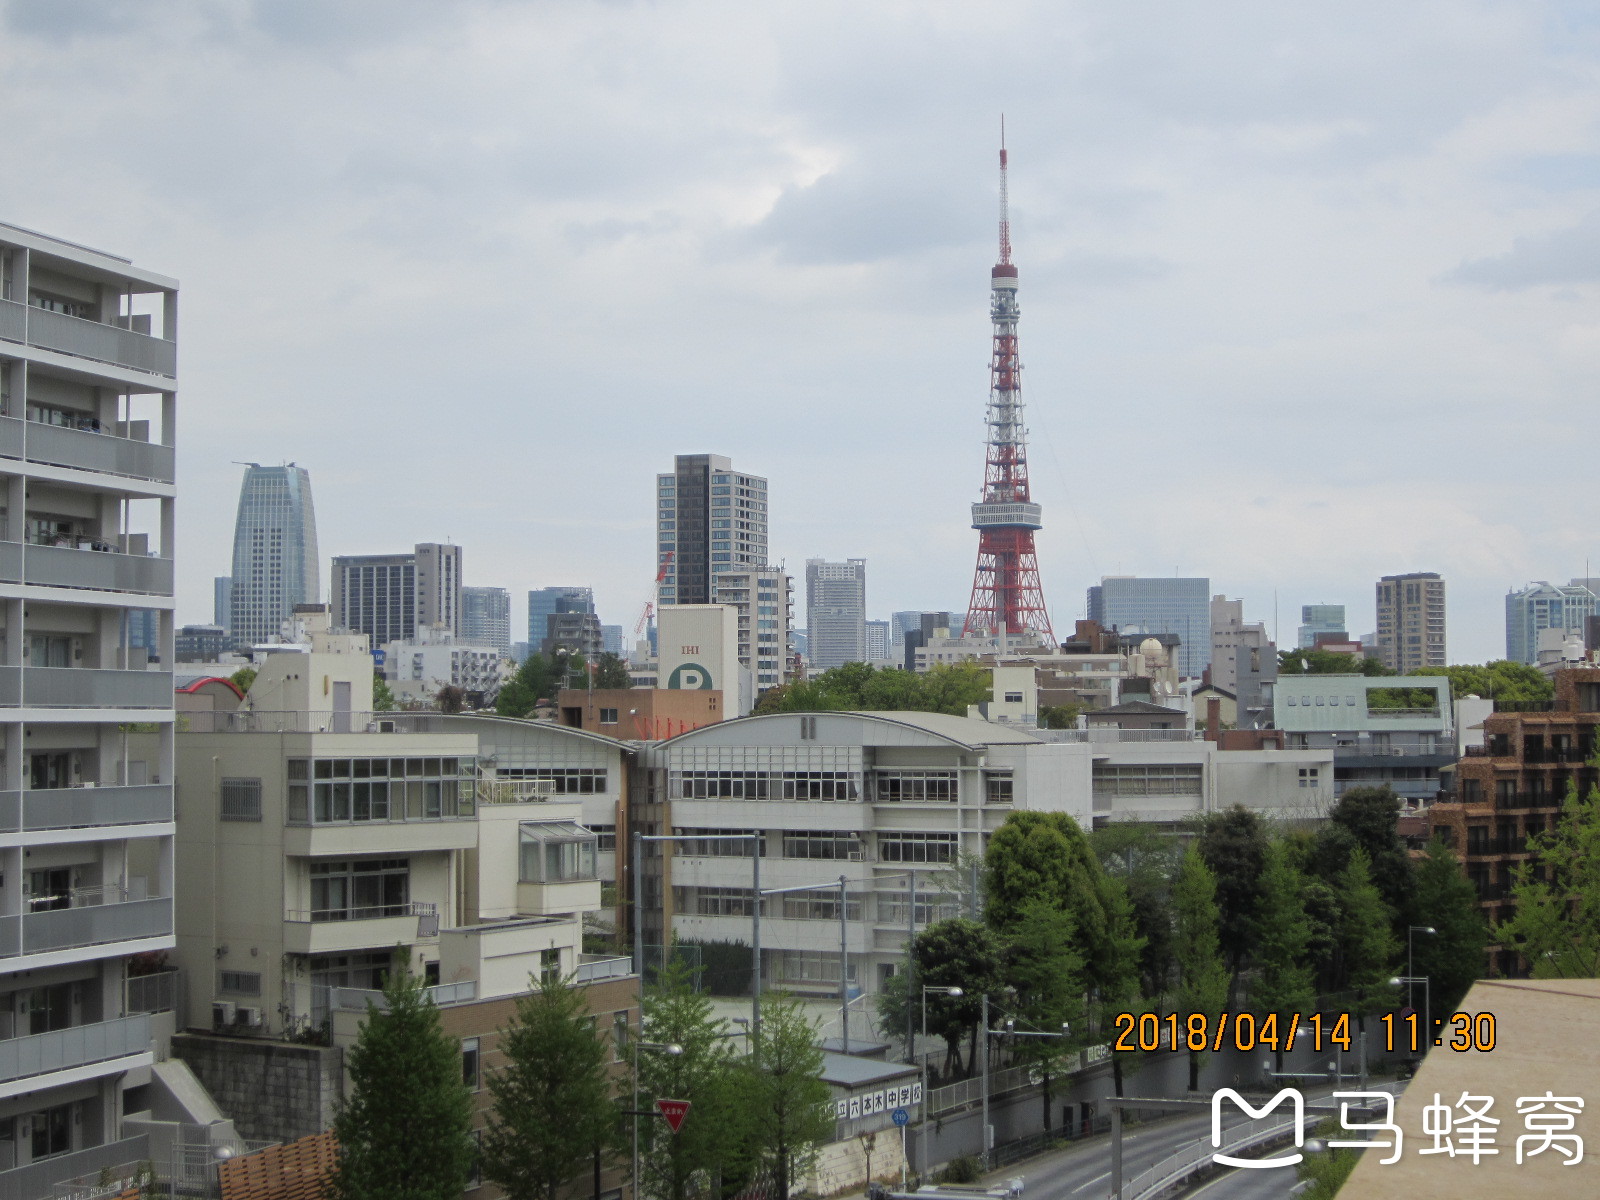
1005,203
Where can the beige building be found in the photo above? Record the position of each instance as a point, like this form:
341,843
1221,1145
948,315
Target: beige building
1411,633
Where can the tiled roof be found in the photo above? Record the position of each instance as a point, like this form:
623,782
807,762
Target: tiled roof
293,1171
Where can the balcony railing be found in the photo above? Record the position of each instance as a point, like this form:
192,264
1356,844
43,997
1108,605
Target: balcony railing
253,721
357,999
363,912
604,968
152,993
85,925
87,339
82,1045
85,450
103,570
103,1161
83,687
84,807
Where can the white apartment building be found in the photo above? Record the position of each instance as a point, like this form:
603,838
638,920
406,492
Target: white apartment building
418,667
88,406
879,798
764,598
319,836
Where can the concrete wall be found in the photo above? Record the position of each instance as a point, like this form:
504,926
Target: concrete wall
272,1090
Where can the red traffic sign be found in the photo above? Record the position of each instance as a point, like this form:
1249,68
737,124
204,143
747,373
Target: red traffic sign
674,1111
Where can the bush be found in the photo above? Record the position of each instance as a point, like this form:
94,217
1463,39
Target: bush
963,1169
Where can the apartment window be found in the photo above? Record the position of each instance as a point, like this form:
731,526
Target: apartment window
811,966
558,852
388,789
605,837
1148,780
239,983
51,1131
820,785
808,729
719,785
550,967
561,781
469,1063
997,787
1013,697
1308,776
360,889
820,904
916,786
608,716
619,1035
241,799
720,843
713,901
894,907
917,847
821,843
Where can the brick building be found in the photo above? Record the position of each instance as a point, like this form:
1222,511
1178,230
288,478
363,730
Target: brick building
1512,787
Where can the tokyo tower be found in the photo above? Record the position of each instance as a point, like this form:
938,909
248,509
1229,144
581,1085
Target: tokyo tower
1006,594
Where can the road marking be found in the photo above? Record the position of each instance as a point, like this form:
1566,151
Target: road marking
1092,1182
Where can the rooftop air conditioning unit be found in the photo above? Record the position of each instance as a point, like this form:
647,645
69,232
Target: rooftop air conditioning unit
222,1013
250,1016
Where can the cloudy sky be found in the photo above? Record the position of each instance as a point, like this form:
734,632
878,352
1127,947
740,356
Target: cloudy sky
1308,291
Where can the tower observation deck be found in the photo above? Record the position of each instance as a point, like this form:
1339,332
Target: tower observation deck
1007,597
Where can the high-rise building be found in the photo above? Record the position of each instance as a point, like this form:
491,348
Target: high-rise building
764,597
222,601
878,641
1541,606
1411,621
1244,661
486,617
389,597
836,611
88,381
1318,619
275,564
613,638
1180,606
1007,596
711,519
543,603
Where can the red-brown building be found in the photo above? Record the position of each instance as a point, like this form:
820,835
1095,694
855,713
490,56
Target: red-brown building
640,714
1512,787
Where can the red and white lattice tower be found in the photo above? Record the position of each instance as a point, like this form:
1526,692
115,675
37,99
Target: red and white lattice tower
1006,594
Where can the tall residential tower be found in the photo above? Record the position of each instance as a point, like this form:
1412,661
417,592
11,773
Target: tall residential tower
274,552
1006,593
88,379
1411,621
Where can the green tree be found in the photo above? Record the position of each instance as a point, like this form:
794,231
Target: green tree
243,678
1145,860
536,679
956,953
1282,932
1367,944
450,699
788,1107
1323,1173
1234,846
1042,855
706,1073
1326,662
1059,716
553,1107
1202,973
953,687
1556,921
1041,964
1503,680
404,1132
1372,815
1114,970
611,672
946,687
382,698
1452,957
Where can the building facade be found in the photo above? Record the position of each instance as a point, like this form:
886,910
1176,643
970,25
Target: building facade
389,597
764,600
201,643
275,563
543,603
222,601
1541,606
1377,732
88,410
836,611
1321,619
1180,606
486,617
1411,628
710,519
878,641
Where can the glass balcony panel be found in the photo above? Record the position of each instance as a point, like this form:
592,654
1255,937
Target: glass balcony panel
80,687
103,343
90,451
81,1045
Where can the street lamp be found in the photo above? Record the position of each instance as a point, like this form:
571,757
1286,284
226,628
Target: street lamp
923,1139
1427,1006
659,1048
1411,970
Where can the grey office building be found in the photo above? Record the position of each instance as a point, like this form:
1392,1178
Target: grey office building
544,603
486,617
222,601
1541,606
274,552
88,372
1180,606
836,611
389,597
1320,619
710,518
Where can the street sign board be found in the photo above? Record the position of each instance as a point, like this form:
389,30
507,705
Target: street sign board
674,1111
900,1117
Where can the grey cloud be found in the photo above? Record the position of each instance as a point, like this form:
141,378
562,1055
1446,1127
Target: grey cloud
66,20
853,216
1564,257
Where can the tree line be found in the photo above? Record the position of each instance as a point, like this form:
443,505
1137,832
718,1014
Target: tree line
1238,916
561,1093
861,687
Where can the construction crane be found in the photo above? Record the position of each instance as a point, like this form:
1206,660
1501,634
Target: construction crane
655,591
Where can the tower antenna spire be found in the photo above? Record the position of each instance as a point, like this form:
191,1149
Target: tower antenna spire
1005,204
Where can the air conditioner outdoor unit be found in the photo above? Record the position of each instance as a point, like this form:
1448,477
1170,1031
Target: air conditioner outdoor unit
250,1016
221,1013
380,726
857,855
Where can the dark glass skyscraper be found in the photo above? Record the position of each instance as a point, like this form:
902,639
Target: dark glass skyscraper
274,551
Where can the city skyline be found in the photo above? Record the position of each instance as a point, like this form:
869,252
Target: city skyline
1212,246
